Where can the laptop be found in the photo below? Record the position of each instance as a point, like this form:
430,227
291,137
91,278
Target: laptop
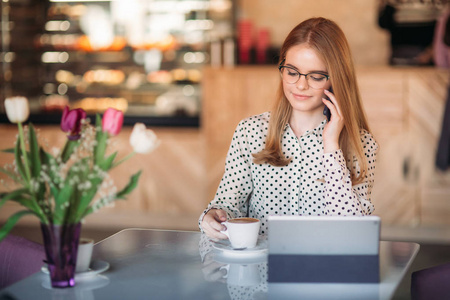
324,249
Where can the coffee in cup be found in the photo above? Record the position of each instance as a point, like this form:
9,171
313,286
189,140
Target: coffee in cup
243,220
242,232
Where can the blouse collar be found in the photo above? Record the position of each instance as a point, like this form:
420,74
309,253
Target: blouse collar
316,131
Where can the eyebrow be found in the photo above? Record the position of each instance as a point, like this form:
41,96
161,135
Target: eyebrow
313,71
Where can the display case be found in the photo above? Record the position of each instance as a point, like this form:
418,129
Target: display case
144,57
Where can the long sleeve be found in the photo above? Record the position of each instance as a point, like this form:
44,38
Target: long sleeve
341,197
236,184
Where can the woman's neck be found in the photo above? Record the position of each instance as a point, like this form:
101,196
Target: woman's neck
302,122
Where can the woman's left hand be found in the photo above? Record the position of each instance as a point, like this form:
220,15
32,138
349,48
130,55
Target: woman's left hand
334,127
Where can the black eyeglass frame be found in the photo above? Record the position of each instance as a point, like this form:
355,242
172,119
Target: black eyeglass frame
281,66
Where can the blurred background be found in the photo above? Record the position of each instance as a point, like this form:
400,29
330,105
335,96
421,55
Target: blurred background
191,69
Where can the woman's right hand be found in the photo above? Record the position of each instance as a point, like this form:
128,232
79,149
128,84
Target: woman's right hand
211,223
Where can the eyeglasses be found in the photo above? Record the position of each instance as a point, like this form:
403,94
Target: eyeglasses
315,80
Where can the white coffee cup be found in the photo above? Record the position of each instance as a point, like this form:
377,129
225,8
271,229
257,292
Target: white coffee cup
242,232
85,247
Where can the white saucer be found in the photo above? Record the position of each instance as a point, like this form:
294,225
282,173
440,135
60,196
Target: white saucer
225,249
96,267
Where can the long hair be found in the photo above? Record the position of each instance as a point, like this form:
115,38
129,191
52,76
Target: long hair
329,42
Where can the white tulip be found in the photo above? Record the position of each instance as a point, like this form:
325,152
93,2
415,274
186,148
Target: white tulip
17,109
143,140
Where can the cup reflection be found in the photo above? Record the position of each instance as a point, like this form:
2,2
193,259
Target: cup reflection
242,274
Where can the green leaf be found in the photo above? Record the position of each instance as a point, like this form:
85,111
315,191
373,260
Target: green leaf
69,147
61,199
18,159
86,198
24,198
11,222
14,195
72,215
106,164
53,186
88,211
24,153
35,160
121,195
9,150
130,186
101,138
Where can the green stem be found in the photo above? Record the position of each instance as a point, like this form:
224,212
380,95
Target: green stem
123,159
24,152
38,210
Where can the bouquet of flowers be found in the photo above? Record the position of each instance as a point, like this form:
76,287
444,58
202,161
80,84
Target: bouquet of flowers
65,186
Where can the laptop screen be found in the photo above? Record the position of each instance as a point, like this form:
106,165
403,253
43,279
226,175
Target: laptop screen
323,249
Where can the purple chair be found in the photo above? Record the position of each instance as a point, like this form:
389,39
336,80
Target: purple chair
19,258
431,283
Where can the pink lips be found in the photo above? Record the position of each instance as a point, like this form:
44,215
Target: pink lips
301,97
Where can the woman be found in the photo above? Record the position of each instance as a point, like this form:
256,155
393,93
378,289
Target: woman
293,161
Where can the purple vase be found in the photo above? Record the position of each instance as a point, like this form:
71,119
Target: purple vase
61,247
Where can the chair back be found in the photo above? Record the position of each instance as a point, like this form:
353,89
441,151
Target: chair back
19,258
431,283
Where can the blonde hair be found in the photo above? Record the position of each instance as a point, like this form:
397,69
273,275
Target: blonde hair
329,41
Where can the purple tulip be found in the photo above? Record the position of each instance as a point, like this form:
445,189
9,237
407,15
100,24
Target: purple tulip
112,121
71,122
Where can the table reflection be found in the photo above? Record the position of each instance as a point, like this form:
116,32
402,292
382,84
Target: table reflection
401,252
244,275
83,290
166,265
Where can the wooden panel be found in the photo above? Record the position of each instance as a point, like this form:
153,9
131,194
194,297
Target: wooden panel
428,92
395,200
383,95
427,96
435,206
230,95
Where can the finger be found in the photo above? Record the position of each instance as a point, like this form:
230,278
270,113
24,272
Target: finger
207,228
208,259
216,235
216,225
211,267
210,222
221,215
218,275
211,232
330,95
332,108
334,101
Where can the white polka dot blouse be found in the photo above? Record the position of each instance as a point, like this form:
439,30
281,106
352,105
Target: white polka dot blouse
313,183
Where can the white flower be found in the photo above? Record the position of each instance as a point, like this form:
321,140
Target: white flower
143,140
17,109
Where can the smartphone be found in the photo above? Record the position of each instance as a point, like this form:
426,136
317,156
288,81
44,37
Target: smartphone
326,110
